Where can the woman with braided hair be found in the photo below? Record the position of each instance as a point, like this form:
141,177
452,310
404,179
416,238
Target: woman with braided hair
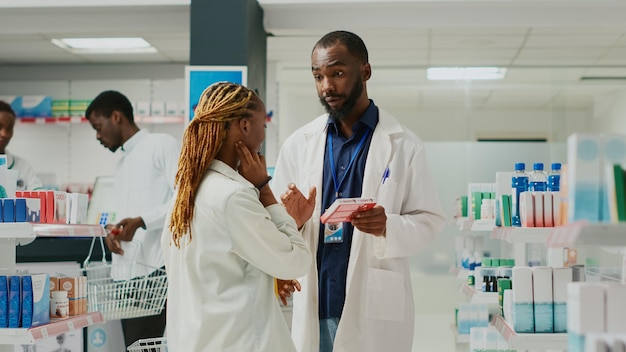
226,237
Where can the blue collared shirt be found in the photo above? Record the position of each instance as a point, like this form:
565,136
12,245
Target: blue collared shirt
332,258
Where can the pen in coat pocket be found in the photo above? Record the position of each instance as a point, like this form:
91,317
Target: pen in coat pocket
385,175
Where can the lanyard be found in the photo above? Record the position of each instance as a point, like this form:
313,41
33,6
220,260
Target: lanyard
329,141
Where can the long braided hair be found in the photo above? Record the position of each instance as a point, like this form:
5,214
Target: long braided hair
219,104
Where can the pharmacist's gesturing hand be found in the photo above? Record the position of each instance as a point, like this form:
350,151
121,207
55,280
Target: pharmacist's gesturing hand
299,207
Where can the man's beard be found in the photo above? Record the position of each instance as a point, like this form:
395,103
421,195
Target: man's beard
344,110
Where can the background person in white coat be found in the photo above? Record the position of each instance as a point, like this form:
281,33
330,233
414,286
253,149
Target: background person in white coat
27,178
227,237
358,298
144,187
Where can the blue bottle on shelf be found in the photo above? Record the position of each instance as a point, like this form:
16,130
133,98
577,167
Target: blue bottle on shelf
554,178
538,180
519,184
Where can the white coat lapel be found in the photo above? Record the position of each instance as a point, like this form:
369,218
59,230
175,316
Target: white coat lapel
378,158
315,140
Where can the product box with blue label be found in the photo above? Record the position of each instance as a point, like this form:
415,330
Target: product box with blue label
15,301
36,106
8,210
542,298
522,298
584,159
35,300
33,210
4,301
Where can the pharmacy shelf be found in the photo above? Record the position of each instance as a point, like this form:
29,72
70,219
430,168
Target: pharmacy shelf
466,224
30,336
584,234
16,230
528,341
478,296
68,230
519,235
485,225
81,119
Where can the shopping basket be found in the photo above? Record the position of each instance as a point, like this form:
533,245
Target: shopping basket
124,299
158,344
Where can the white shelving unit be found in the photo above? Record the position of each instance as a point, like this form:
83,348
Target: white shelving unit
79,119
466,224
30,336
584,234
483,225
528,341
479,297
519,237
13,234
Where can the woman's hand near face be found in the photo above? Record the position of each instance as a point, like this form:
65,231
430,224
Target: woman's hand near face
253,168
251,165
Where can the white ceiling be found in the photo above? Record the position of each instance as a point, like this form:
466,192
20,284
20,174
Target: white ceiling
547,46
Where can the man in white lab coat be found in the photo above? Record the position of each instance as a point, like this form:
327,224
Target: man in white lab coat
358,297
144,186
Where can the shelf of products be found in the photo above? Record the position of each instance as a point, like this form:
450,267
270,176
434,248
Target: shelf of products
528,341
516,235
30,336
478,296
12,234
81,119
484,225
63,230
582,234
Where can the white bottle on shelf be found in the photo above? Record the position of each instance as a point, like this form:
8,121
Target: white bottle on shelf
538,180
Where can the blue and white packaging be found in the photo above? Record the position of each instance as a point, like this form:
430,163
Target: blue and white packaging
522,300
15,301
542,298
8,210
35,300
20,209
33,209
584,159
4,301
36,106
560,278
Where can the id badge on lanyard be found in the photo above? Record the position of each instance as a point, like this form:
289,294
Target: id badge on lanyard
333,232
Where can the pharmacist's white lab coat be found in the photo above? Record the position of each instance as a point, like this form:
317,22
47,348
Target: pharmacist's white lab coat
378,314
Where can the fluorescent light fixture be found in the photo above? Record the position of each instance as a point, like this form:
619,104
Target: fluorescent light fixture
105,45
465,73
